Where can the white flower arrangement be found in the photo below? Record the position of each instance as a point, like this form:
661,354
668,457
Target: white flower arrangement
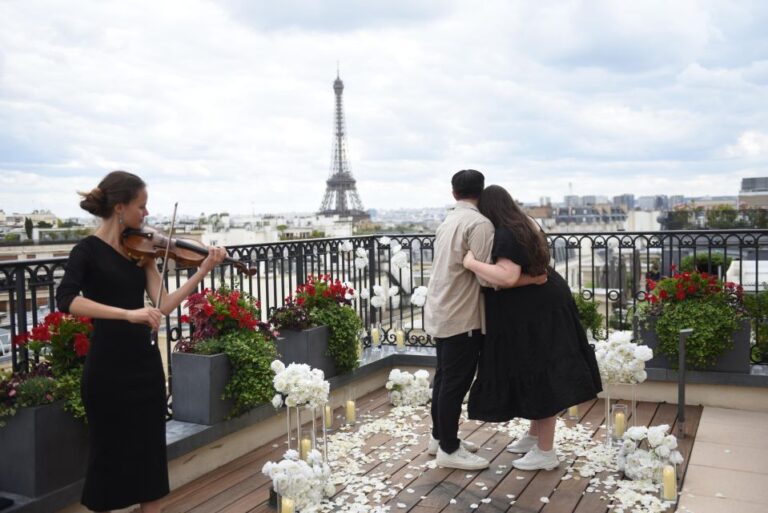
419,296
620,360
299,385
384,241
408,389
346,246
361,258
399,258
647,463
379,298
306,482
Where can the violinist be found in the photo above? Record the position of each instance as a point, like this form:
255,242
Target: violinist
123,384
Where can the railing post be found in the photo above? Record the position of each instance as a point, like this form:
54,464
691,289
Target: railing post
301,276
684,334
21,320
371,275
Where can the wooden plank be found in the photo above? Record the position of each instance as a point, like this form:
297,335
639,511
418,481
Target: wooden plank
685,444
223,481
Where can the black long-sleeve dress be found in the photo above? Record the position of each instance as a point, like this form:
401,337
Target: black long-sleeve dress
123,385
535,360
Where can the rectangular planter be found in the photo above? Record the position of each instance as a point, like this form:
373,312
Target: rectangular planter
735,360
198,386
43,449
308,346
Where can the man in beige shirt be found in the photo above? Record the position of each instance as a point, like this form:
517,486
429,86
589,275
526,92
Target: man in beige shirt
454,316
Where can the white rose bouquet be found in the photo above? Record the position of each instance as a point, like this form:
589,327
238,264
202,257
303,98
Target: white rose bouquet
299,385
406,389
306,482
658,449
620,360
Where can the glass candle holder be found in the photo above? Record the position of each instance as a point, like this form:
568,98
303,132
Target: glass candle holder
376,336
619,417
285,505
399,338
668,486
573,412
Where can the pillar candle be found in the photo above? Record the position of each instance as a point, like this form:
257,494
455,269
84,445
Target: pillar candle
375,337
573,411
306,446
328,417
286,505
619,424
669,483
351,414
400,339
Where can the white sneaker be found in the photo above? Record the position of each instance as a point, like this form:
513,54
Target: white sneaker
523,445
434,444
462,459
536,459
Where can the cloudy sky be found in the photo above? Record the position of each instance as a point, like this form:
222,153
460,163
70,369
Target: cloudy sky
229,105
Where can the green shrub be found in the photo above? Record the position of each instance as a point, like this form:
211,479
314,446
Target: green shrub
591,319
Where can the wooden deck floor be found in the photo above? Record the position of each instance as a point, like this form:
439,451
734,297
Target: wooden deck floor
240,485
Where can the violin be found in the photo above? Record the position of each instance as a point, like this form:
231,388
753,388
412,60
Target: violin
145,243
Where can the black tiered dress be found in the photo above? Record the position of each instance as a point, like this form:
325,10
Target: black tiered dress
123,386
536,360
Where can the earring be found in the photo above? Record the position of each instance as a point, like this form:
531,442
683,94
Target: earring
120,219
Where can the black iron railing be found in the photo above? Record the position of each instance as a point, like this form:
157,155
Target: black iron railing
608,268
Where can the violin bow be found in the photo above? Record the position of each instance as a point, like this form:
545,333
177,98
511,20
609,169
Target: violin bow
165,261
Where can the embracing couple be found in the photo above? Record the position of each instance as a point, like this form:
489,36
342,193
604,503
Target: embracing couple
499,315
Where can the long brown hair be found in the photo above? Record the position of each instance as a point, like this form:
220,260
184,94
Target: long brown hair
497,205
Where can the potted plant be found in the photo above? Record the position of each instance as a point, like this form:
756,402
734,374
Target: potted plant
41,412
319,327
591,319
715,263
223,369
711,307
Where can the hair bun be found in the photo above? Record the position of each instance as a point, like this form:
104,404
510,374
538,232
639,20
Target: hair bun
96,194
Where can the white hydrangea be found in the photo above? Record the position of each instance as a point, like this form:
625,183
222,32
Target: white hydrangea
361,253
361,263
300,385
620,360
384,241
346,246
408,389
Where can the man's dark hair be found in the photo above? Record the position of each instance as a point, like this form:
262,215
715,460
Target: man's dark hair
468,184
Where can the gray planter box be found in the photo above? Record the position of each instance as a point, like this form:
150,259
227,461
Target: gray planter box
198,387
43,449
736,359
308,346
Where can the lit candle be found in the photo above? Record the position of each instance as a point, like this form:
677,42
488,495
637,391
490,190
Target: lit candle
619,424
306,446
286,505
400,340
328,417
669,483
375,337
573,411
351,414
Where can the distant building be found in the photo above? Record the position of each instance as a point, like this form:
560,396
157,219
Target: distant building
753,193
572,200
676,200
625,200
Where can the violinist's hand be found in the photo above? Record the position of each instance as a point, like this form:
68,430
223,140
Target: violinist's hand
469,259
216,255
148,315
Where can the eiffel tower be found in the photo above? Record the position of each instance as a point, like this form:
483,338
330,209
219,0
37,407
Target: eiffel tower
341,192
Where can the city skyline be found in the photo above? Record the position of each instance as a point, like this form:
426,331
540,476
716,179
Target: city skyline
229,106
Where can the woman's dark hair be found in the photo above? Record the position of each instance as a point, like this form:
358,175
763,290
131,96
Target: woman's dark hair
118,187
468,184
497,205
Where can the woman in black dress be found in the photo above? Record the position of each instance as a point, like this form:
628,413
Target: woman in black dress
123,385
535,359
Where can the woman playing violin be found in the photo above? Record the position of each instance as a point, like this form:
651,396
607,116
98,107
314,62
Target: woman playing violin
123,385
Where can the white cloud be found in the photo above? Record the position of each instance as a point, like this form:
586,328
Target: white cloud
229,105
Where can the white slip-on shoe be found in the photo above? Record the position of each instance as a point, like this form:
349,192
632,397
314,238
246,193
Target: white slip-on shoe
523,445
434,444
536,459
461,459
